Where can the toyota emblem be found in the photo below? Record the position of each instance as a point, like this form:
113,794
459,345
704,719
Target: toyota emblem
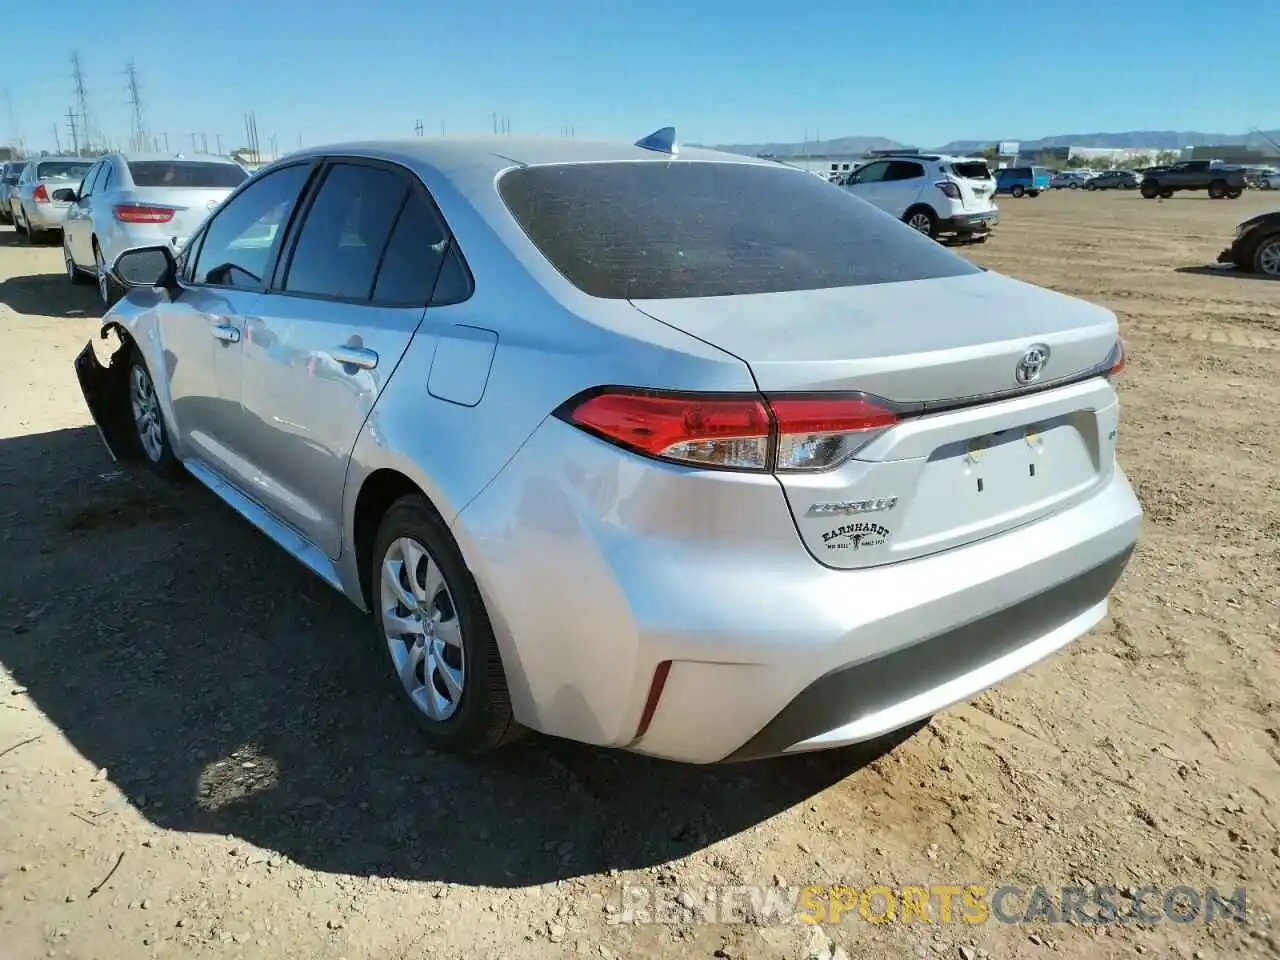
1032,364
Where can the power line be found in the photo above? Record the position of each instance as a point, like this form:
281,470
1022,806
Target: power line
82,98
139,133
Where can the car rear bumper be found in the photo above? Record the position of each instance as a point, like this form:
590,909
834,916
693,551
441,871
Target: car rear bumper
970,222
45,216
620,588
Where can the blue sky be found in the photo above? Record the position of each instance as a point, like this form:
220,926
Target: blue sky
919,71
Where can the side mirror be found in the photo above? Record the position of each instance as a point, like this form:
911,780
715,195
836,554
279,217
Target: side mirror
65,195
145,267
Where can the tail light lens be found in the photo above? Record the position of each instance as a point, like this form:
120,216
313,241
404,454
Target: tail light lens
949,189
40,194
142,213
787,434
1117,360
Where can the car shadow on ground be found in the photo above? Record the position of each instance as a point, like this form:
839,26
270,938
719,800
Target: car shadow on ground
1230,272
226,690
50,295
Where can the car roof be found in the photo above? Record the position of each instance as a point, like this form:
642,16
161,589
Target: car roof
131,157
470,164
69,158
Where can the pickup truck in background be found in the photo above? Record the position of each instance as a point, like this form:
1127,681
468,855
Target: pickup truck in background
1221,181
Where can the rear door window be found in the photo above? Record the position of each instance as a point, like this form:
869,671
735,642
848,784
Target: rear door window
185,173
656,230
346,231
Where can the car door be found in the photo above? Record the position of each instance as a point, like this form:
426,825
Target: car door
346,301
901,186
867,183
74,227
225,271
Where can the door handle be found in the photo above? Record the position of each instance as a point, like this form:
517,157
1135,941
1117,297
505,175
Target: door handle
226,333
355,357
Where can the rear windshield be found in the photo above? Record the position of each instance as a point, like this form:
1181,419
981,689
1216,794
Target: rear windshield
62,169
185,173
658,231
13,171
972,170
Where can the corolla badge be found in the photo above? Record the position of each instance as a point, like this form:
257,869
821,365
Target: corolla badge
1032,364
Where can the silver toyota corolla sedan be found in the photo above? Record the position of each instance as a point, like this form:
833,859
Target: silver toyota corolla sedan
134,200
677,451
33,207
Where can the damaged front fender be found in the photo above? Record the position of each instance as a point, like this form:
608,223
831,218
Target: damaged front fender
106,393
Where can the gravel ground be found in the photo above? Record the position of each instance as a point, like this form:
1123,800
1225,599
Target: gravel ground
199,755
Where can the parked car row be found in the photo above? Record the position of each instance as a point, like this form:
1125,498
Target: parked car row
103,206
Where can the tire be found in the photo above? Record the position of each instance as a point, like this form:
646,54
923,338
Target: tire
1166,194
1266,257
1076,186
1149,191
1033,193
476,717
1217,190
1091,186
1234,194
150,433
922,220
108,290
1017,191
74,273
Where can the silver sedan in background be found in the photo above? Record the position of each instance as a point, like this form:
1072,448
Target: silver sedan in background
9,174
34,208
137,200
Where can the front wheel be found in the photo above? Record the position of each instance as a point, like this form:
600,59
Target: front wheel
148,419
922,220
1266,259
1234,194
1017,191
1091,186
431,621
74,273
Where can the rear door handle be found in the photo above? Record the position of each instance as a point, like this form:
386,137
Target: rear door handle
226,333
355,357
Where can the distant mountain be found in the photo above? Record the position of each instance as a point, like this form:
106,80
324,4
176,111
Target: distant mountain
1146,139
838,145
1132,139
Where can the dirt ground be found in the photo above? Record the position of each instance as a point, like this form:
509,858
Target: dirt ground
199,755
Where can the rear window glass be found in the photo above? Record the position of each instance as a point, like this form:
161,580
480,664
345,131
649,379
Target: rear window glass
62,170
972,170
649,230
171,173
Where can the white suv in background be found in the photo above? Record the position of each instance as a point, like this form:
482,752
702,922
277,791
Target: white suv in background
937,195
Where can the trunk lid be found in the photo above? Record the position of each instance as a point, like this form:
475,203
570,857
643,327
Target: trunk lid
977,454
977,188
191,205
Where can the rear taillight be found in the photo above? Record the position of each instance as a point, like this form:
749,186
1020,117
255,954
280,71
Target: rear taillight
948,189
142,213
1116,360
786,433
40,194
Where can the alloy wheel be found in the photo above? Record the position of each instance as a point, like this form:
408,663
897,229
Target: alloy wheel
422,629
146,412
1268,258
104,282
920,222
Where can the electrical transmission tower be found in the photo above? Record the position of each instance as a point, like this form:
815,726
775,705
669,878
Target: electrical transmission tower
72,117
138,138
417,128
82,101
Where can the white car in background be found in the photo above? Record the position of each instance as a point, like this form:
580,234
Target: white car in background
138,200
936,194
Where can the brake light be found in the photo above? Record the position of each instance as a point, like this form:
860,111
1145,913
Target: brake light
40,194
792,433
948,189
142,213
1117,359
